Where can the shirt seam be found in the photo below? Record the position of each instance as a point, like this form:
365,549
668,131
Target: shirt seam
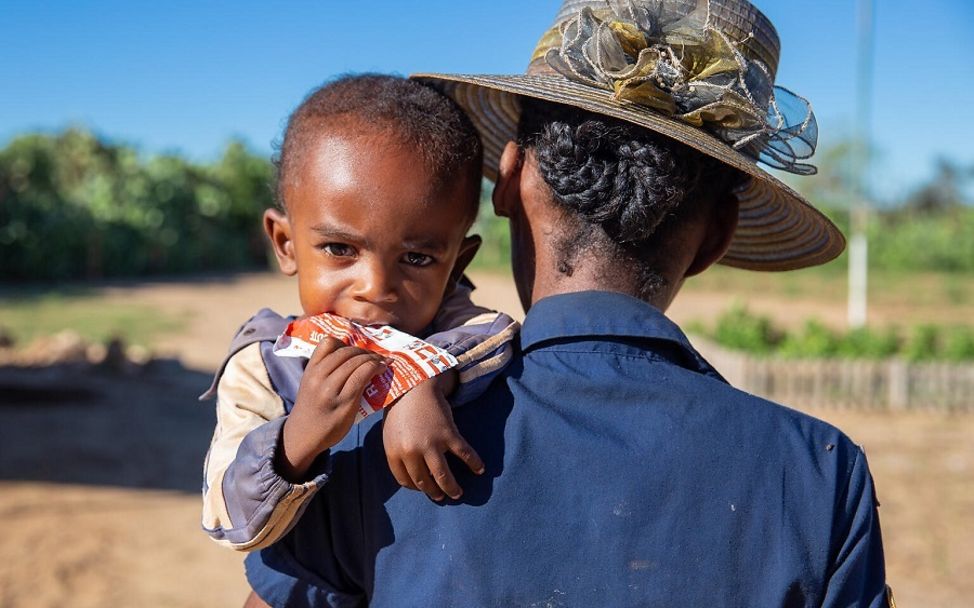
643,357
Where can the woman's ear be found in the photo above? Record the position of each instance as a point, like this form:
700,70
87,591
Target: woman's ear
278,229
507,190
718,234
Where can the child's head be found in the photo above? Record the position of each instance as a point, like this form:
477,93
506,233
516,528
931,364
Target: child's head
378,183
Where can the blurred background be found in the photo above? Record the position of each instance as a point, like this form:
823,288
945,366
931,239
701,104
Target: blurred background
135,162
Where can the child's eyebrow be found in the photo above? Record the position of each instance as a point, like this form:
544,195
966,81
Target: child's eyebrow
421,243
425,244
330,232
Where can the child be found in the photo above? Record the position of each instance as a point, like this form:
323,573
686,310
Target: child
379,181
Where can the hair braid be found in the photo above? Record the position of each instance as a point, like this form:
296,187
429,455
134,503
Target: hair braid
625,182
618,180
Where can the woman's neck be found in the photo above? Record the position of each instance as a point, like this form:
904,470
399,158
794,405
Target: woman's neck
591,274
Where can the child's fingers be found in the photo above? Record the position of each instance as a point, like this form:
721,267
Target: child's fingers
420,475
324,348
340,364
359,377
399,471
459,447
440,471
329,364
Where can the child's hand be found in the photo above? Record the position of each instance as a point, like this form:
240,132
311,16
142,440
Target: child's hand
326,405
417,432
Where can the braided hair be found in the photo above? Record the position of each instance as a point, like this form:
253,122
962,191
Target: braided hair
620,185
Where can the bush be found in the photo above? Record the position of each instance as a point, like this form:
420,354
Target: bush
864,343
740,329
959,344
74,207
815,340
904,241
923,344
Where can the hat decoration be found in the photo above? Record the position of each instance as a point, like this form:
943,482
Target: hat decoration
667,58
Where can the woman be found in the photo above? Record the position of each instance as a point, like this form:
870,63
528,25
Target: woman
620,468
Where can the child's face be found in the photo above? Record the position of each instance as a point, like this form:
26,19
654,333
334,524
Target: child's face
368,231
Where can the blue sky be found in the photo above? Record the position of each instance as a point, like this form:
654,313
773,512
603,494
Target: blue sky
186,76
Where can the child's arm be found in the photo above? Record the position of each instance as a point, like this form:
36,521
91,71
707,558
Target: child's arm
418,429
257,479
245,507
327,404
481,340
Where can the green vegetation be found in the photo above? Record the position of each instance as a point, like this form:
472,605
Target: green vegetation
930,228
97,319
740,329
73,207
495,252
908,292
905,239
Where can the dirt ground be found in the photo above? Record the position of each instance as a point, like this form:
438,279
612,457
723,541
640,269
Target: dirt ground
99,473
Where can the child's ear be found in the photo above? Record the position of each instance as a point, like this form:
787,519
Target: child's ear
278,229
468,249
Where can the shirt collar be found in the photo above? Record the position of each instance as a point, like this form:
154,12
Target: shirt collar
604,313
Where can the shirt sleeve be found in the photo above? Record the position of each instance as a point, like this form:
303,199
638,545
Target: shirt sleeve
246,504
479,338
858,571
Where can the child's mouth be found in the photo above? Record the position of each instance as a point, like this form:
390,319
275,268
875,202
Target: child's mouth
373,320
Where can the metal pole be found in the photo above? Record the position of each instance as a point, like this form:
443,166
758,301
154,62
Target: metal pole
858,257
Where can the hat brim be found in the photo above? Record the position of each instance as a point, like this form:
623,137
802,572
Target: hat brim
777,228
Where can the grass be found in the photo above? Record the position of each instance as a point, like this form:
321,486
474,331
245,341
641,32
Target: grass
926,289
29,314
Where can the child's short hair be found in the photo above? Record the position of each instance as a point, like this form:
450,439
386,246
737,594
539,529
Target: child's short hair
423,118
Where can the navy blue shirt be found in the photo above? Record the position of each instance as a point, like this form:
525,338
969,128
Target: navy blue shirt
622,470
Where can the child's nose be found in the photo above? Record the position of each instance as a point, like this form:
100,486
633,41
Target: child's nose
377,284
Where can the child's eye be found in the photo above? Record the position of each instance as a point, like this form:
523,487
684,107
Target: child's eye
339,250
417,259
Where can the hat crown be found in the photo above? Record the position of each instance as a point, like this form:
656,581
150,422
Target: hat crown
739,20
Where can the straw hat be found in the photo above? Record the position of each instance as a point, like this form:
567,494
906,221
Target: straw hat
698,71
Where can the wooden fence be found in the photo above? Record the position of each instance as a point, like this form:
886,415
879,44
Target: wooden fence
892,384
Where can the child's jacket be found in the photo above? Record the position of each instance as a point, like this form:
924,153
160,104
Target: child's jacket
246,504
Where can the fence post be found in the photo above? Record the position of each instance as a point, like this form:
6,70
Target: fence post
898,380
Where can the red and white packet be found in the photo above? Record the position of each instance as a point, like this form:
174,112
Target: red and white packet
412,359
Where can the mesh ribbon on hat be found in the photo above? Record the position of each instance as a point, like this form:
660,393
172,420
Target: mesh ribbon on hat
670,59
